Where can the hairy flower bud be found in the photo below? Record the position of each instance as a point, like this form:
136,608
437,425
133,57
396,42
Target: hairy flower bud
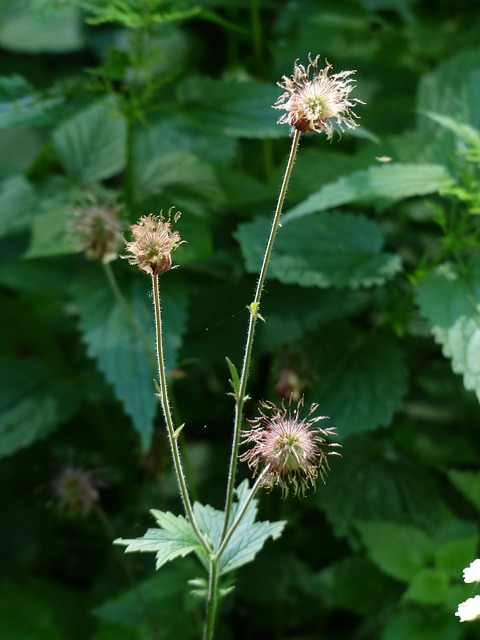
290,451
315,101
153,243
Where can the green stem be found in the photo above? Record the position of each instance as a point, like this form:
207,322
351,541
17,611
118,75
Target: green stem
254,314
172,434
212,599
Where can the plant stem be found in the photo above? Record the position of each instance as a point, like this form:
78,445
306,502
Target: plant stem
172,435
254,314
212,599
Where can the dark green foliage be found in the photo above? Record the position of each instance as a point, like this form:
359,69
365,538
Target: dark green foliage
371,309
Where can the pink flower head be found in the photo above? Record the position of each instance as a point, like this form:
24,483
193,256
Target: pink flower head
287,449
315,101
153,244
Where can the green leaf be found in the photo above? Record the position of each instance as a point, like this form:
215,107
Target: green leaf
468,483
429,586
40,622
235,379
21,104
174,538
465,132
125,347
391,182
362,377
247,539
91,145
334,249
376,481
32,404
450,300
453,556
399,550
17,204
238,109
422,625
22,31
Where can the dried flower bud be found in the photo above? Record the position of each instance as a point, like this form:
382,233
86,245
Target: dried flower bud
319,102
153,244
76,489
96,227
289,450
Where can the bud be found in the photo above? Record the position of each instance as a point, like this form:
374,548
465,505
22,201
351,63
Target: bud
153,243
292,452
315,101
96,227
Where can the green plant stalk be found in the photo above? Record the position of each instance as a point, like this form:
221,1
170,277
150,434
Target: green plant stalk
213,576
172,435
254,314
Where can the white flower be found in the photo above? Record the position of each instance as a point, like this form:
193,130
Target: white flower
469,610
472,573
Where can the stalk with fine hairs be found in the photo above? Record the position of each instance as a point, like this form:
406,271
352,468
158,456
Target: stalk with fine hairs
254,315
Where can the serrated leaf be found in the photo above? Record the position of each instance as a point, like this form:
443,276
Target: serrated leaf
462,130
125,352
333,249
362,378
468,483
377,483
247,539
17,203
32,404
91,145
174,538
389,182
399,550
450,300
238,109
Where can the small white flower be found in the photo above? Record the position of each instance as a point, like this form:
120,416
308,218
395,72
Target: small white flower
469,610
472,573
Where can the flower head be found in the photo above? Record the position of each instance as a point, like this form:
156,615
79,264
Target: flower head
315,101
469,610
288,450
472,572
96,227
76,489
153,243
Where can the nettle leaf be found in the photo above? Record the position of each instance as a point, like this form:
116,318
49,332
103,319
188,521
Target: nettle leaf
17,203
399,550
32,403
376,481
125,349
334,249
238,109
247,539
388,182
91,145
468,483
450,301
174,538
21,104
362,378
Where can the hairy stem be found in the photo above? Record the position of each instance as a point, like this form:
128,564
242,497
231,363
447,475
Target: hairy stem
172,434
212,599
254,315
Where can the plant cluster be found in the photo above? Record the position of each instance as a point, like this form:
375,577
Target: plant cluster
365,309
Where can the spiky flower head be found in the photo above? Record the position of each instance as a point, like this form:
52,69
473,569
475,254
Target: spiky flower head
95,226
288,450
316,101
76,489
153,243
